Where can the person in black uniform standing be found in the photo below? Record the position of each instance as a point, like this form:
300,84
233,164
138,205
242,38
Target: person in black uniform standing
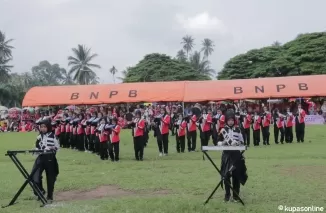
233,163
46,141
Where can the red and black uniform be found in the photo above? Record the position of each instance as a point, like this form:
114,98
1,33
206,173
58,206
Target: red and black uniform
138,127
181,126
300,125
266,120
245,121
62,134
289,127
278,127
81,135
164,128
205,128
103,136
256,130
114,147
192,133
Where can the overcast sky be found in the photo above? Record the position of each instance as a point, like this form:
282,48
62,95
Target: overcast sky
123,31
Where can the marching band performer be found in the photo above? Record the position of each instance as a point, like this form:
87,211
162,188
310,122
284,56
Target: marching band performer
164,127
192,131
288,126
245,121
93,125
180,126
114,148
103,136
46,141
266,120
300,124
96,142
205,122
278,126
81,133
63,131
218,124
67,140
233,163
138,126
256,129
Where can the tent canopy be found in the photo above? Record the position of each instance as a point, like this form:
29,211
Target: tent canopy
187,91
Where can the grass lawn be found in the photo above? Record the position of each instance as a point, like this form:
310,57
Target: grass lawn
289,174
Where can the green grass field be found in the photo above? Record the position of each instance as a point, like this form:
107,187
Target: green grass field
289,174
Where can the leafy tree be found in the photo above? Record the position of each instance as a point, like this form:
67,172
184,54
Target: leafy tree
201,65
4,69
48,74
188,43
81,65
67,79
208,47
160,67
305,55
124,74
113,71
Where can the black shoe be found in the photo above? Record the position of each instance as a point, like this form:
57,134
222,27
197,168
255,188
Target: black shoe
226,199
50,200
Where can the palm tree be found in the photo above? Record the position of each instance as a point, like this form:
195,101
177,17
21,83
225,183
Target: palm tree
5,48
188,43
4,69
208,47
81,66
201,65
113,71
181,56
276,44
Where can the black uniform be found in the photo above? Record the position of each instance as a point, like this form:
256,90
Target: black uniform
46,162
233,163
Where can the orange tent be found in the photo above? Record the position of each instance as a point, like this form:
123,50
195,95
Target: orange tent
281,87
193,91
109,93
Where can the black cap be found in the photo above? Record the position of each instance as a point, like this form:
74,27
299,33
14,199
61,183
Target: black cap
229,115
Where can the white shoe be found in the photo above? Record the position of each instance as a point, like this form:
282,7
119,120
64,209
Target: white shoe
161,154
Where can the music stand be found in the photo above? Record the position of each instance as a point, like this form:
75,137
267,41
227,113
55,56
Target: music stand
221,148
28,177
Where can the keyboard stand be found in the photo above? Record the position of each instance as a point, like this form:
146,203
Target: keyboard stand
28,177
220,184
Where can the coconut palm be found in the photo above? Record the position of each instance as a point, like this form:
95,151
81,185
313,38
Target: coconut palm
201,65
66,77
188,43
5,48
4,69
181,56
208,47
81,66
113,71
276,44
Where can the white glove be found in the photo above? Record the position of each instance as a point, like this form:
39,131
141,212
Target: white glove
225,143
234,143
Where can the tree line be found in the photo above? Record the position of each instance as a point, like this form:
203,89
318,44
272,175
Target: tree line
305,55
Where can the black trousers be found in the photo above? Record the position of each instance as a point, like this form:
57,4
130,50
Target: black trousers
192,140
81,142
47,163
163,143
72,140
256,137
215,136
97,144
103,149
204,138
265,133
181,143
288,134
67,139
114,149
62,139
139,147
91,143
300,130
276,133
235,185
87,141
246,135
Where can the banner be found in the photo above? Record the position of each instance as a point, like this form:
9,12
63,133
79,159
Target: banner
313,120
